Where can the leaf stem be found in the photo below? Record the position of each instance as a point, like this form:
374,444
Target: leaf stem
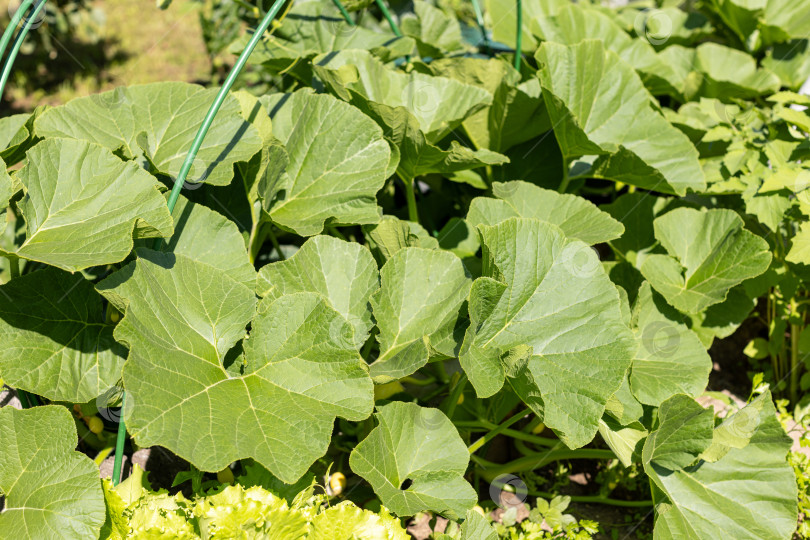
258,234
14,267
595,499
274,241
519,40
565,179
795,329
418,382
452,399
515,434
410,196
535,461
15,21
497,431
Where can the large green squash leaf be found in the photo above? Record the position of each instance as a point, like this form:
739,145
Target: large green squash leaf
546,314
52,492
785,19
435,32
578,218
56,341
391,234
415,111
741,16
438,104
746,491
764,22
575,23
418,309
729,73
709,253
599,106
338,160
344,273
196,395
84,205
209,237
156,124
313,28
420,445
517,113
670,359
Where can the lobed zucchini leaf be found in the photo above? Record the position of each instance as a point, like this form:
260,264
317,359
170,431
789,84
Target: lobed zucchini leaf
578,218
600,108
709,253
52,492
728,481
56,340
545,314
670,359
83,206
155,124
419,310
211,403
338,160
344,273
415,460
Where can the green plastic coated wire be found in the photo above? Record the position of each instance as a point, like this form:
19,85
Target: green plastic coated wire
119,444
223,93
519,44
387,14
15,48
181,178
339,5
479,18
15,20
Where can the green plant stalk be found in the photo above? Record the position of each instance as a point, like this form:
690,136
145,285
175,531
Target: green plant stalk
794,363
595,500
490,470
15,48
452,399
274,241
119,444
410,197
339,5
14,267
257,235
513,433
387,14
497,431
479,19
184,170
566,179
519,40
15,20
417,382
